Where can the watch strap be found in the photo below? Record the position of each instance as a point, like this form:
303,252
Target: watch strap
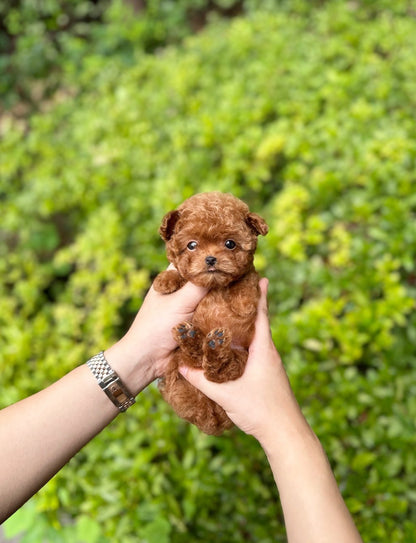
110,382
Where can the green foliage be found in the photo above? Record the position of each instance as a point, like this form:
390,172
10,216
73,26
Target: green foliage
310,119
41,41
33,34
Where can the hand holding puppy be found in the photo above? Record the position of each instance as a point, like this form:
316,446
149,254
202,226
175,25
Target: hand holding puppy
143,353
262,395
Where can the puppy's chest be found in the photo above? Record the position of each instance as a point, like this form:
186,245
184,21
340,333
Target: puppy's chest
222,309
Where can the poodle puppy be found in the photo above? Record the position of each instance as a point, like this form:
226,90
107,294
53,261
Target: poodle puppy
211,239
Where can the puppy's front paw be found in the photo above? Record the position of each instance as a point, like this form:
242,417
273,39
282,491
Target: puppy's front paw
189,339
168,281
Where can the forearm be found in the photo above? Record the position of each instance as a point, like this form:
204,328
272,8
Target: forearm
41,433
311,501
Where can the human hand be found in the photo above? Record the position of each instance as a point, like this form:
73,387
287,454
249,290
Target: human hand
143,353
262,395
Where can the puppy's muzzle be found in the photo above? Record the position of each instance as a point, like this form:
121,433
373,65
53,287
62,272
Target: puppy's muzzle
210,261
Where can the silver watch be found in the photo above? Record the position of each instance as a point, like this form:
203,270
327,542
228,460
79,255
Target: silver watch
110,382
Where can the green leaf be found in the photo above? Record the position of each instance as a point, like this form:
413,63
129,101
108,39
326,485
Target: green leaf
362,460
157,531
22,521
87,530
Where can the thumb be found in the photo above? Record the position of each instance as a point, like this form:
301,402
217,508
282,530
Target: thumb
189,296
262,319
262,334
196,378
264,287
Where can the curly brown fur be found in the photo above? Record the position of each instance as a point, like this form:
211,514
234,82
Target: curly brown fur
211,239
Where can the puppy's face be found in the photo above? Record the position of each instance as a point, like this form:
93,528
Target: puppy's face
212,258
211,239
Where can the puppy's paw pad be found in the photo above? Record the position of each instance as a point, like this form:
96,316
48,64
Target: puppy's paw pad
185,332
218,338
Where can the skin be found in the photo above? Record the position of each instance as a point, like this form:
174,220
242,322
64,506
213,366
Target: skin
261,403
41,433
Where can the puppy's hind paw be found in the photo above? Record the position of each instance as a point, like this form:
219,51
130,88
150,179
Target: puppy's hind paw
218,339
221,363
183,332
188,337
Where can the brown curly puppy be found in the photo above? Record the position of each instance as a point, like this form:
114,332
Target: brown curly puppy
211,239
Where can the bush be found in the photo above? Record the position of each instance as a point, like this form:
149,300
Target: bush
309,117
40,42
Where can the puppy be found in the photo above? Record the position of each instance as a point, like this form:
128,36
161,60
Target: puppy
211,239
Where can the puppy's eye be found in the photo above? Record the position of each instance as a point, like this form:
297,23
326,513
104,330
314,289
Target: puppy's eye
230,244
192,245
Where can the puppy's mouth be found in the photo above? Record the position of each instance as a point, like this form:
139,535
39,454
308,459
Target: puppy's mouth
215,269
212,277
213,273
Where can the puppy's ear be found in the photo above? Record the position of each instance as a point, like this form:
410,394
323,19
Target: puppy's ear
257,223
168,225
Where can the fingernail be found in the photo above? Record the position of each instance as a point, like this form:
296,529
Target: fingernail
183,370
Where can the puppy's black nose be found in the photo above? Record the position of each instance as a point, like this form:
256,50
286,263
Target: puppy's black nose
210,260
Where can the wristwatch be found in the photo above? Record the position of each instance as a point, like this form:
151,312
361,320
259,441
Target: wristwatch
110,382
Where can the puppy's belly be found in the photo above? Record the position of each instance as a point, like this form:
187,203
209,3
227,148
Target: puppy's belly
213,314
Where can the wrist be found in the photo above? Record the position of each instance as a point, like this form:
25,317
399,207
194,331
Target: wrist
131,366
284,430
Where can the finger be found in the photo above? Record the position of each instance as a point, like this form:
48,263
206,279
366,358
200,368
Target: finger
190,295
262,308
264,287
263,331
196,378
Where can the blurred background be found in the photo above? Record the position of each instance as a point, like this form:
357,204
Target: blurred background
114,111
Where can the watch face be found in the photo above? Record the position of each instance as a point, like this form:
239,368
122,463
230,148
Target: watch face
118,393
110,382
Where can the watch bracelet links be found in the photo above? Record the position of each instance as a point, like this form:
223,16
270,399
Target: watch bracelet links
110,382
